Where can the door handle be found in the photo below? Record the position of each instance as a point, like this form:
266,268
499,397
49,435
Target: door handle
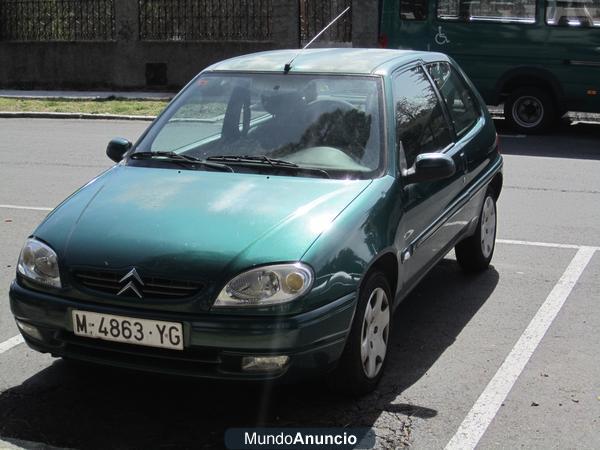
463,161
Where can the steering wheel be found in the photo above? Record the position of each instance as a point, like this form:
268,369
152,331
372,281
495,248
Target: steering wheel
315,109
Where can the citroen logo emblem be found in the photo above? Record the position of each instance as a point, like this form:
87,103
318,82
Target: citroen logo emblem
131,277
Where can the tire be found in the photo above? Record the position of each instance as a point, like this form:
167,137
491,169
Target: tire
475,252
530,110
365,356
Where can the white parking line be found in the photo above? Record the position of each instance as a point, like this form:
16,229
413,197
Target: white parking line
20,444
8,446
10,343
485,408
543,244
30,208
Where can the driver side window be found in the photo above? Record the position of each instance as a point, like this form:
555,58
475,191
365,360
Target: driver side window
420,123
462,105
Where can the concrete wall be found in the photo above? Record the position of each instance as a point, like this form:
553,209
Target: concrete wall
123,63
109,64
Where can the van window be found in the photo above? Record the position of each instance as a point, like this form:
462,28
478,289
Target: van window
579,13
420,123
413,9
459,99
487,10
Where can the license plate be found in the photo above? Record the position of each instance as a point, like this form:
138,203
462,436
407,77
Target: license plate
130,330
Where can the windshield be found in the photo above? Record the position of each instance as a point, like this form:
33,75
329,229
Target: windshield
331,123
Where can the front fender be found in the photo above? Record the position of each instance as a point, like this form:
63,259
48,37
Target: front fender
363,231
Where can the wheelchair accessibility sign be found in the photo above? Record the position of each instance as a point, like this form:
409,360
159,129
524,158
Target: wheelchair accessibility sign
441,38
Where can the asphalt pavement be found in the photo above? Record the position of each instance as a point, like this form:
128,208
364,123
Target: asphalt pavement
505,359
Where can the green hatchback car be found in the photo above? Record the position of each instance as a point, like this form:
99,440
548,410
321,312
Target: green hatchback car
270,220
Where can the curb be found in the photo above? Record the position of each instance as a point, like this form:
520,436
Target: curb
93,96
60,115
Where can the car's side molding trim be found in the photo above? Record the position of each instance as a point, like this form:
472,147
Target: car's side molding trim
588,63
454,207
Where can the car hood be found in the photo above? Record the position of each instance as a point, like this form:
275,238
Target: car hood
190,224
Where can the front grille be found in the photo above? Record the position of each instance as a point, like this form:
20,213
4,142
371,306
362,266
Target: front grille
191,361
193,355
153,287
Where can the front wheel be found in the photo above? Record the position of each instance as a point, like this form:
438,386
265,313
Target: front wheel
364,358
530,110
475,253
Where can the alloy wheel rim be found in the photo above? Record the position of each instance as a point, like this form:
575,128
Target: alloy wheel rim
375,333
488,227
528,111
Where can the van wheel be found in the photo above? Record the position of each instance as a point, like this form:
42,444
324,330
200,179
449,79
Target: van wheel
529,110
364,358
475,252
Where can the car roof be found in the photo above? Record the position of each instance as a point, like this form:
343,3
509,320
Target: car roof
365,61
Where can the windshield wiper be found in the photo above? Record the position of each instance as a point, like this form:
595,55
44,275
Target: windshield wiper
264,159
253,158
182,159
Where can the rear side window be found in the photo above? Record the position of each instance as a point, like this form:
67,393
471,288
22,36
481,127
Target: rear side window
487,10
579,14
460,100
413,9
420,123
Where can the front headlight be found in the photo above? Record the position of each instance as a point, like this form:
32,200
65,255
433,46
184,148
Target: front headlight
39,263
268,285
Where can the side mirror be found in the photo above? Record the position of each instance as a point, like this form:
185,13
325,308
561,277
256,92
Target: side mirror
430,167
116,148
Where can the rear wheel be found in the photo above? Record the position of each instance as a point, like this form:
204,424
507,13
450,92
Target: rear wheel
475,253
364,358
530,110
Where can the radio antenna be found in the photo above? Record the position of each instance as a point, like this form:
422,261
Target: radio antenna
288,66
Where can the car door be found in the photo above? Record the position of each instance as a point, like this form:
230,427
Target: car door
422,126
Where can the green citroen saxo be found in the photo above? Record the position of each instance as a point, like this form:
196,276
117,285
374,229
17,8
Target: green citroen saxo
269,221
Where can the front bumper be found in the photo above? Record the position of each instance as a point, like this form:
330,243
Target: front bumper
213,344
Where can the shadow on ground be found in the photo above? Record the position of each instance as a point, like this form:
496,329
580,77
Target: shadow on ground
99,408
573,140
